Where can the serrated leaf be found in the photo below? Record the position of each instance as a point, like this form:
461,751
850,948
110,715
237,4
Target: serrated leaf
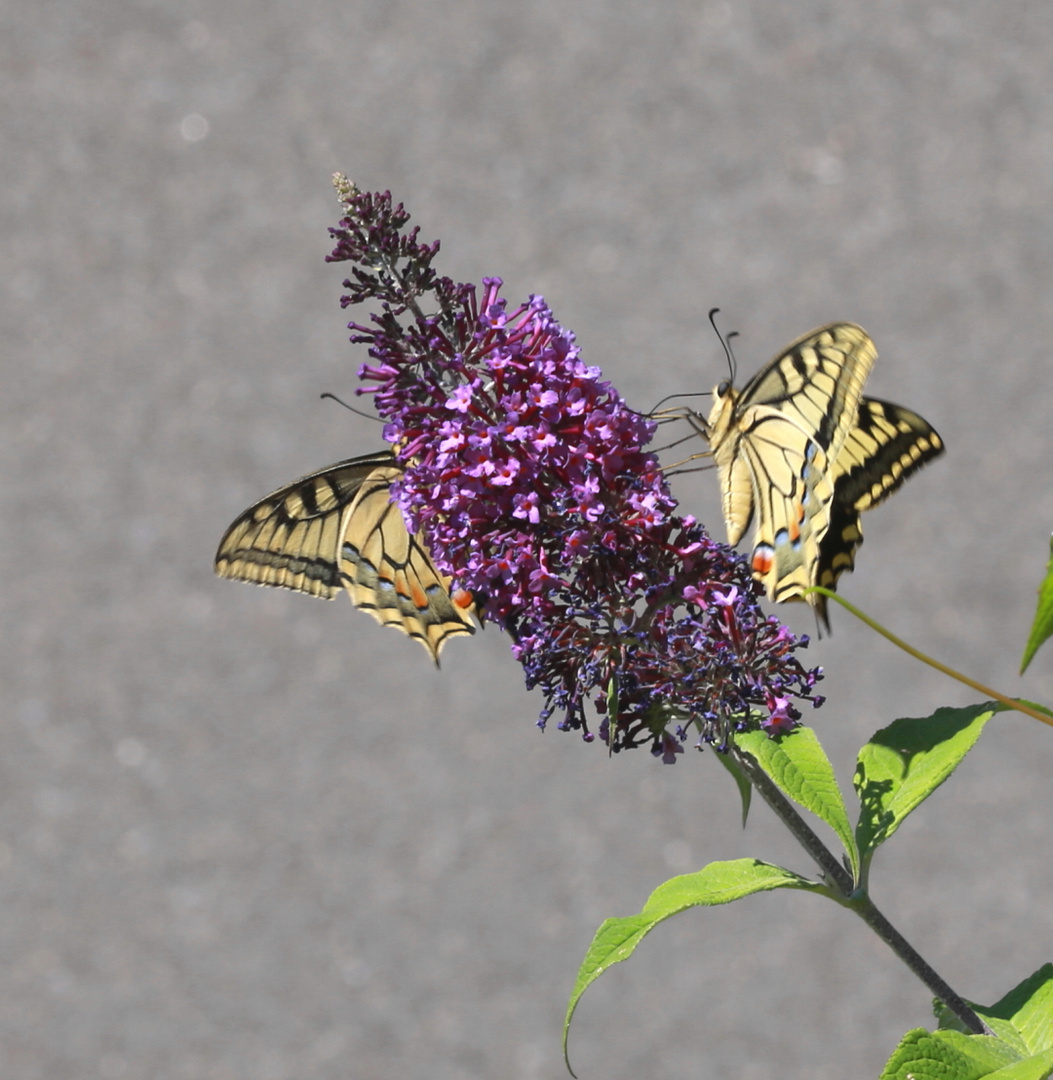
717,883
1002,1029
947,1055
1021,1049
741,780
799,766
1042,627
904,763
1028,1007
985,1051
1039,1067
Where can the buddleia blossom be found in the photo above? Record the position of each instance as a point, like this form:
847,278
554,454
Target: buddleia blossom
529,477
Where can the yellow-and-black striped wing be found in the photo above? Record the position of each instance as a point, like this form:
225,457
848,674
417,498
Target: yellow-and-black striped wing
802,453
783,475
888,444
337,529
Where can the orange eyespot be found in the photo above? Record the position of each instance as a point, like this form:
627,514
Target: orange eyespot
763,558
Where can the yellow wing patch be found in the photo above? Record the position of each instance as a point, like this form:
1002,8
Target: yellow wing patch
790,489
802,453
336,530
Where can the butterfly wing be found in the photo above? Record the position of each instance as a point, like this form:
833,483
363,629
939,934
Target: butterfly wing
782,474
389,573
291,539
338,529
817,382
888,444
773,444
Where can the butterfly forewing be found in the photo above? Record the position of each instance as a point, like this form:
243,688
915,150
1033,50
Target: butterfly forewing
817,382
337,529
290,538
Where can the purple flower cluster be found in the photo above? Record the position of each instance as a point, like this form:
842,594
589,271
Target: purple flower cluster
529,477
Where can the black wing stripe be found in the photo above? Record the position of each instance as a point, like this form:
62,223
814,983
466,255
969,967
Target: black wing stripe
888,444
336,529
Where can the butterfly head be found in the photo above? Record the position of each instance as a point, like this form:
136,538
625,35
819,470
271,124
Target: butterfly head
722,413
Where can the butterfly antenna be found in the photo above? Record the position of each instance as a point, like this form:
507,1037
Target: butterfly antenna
350,408
725,341
669,397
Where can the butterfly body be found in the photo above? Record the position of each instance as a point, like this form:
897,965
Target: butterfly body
800,451
337,530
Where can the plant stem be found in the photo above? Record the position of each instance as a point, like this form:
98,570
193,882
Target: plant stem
1011,703
834,873
839,881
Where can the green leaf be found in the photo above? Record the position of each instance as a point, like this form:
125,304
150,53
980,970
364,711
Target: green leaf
1042,627
904,763
1021,1049
741,779
1035,705
1039,1067
1003,1029
612,700
717,883
799,766
947,1055
1029,1009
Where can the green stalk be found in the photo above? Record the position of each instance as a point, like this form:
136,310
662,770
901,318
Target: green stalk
839,883
1011,703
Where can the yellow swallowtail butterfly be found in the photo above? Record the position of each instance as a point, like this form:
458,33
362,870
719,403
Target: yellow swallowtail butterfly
801,451
338,529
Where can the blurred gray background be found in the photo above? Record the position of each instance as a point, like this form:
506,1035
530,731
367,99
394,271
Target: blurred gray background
250,836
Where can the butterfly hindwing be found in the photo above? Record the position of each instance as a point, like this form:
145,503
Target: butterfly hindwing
389,573
790,490
837,553
888,444
338,529
802,453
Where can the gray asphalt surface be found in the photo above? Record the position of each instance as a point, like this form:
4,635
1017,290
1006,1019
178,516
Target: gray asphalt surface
250,836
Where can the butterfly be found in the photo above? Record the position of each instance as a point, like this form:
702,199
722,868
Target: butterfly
338,529
801,451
